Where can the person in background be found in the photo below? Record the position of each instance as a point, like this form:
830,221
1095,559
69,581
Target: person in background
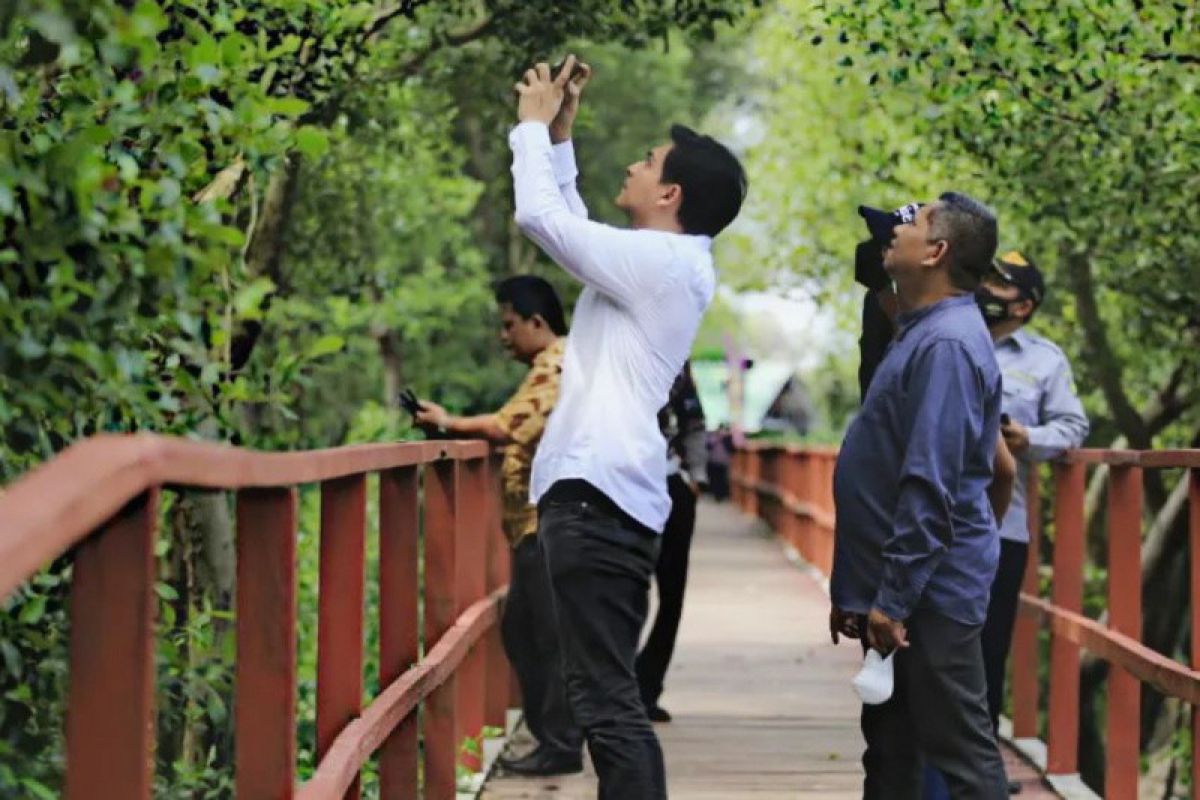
1043,417
720,453
682,424
916,544
533,331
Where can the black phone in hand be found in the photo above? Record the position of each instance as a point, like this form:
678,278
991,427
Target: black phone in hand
409,402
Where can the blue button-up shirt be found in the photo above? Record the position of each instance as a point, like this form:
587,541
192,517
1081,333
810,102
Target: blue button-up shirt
1039,393
914,525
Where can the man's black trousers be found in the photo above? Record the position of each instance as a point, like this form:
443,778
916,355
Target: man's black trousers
938,711
600,568
1001,616
531,643
671,575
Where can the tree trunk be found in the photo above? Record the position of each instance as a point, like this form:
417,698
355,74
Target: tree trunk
390,351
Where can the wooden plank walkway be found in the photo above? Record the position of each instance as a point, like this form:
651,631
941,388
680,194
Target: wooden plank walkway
761,700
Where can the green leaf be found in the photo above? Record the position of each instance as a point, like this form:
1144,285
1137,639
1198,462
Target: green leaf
33,610
12,659
286,106
330,343
54,26
166,591
312,141
249,299
38,790
216,707
148,19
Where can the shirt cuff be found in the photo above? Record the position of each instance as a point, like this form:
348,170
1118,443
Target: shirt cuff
562,156
1042,443
530,135
896,608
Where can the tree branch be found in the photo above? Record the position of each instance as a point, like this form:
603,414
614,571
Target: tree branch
1178,58
224,184
452,39
408,8
1102,362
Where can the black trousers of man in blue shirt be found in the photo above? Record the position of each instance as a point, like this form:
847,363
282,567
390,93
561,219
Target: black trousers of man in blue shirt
938,711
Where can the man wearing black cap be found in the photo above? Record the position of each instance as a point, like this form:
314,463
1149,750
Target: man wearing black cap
879,304
1042,418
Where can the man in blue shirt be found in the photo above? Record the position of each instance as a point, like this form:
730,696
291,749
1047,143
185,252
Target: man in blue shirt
916,541
1042,418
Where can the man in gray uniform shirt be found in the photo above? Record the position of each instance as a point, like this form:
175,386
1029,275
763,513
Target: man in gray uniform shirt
1042,417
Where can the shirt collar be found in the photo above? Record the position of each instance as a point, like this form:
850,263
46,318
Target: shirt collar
907,320
550,351
1018,339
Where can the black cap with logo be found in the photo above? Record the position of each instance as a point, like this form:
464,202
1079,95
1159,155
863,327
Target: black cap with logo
1017,269
881,224
868,257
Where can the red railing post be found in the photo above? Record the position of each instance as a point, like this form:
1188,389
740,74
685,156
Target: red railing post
471,576
804,492
110,704
265,710
496,669
340,609
737,471
1067,594
753,475
440,722
1194,534
399,521
1124,615
1025,632
789,484
823,465
768,504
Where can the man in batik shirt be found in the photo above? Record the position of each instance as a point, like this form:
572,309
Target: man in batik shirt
533,331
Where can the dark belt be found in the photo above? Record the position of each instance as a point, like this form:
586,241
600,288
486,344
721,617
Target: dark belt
577,490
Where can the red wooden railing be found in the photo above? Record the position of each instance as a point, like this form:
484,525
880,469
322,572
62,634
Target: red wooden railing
101,497
791,489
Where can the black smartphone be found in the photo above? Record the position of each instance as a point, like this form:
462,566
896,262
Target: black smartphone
1005,419
576,72
409,401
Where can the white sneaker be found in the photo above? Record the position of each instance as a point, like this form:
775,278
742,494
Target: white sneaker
874,682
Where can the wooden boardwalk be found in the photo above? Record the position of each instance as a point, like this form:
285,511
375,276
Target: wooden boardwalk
761,700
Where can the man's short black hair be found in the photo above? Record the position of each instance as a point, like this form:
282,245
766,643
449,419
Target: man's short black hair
711,177
530,295
972,232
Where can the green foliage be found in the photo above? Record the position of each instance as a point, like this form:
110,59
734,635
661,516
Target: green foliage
1083,121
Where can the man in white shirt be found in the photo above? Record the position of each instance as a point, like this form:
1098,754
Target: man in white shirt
599,476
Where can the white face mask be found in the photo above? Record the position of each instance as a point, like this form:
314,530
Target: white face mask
874,682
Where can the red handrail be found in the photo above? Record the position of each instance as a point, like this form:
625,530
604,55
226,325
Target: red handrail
791,489
101,497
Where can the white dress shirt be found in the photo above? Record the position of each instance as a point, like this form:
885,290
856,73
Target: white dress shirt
633,327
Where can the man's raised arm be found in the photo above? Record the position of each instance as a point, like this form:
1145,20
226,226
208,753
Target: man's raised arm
611,260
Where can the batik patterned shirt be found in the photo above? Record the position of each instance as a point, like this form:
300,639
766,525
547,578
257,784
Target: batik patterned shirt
523,418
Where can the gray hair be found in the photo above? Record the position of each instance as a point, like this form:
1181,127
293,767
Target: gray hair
971,233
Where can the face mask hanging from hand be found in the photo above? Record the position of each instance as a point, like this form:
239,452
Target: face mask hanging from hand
995,309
